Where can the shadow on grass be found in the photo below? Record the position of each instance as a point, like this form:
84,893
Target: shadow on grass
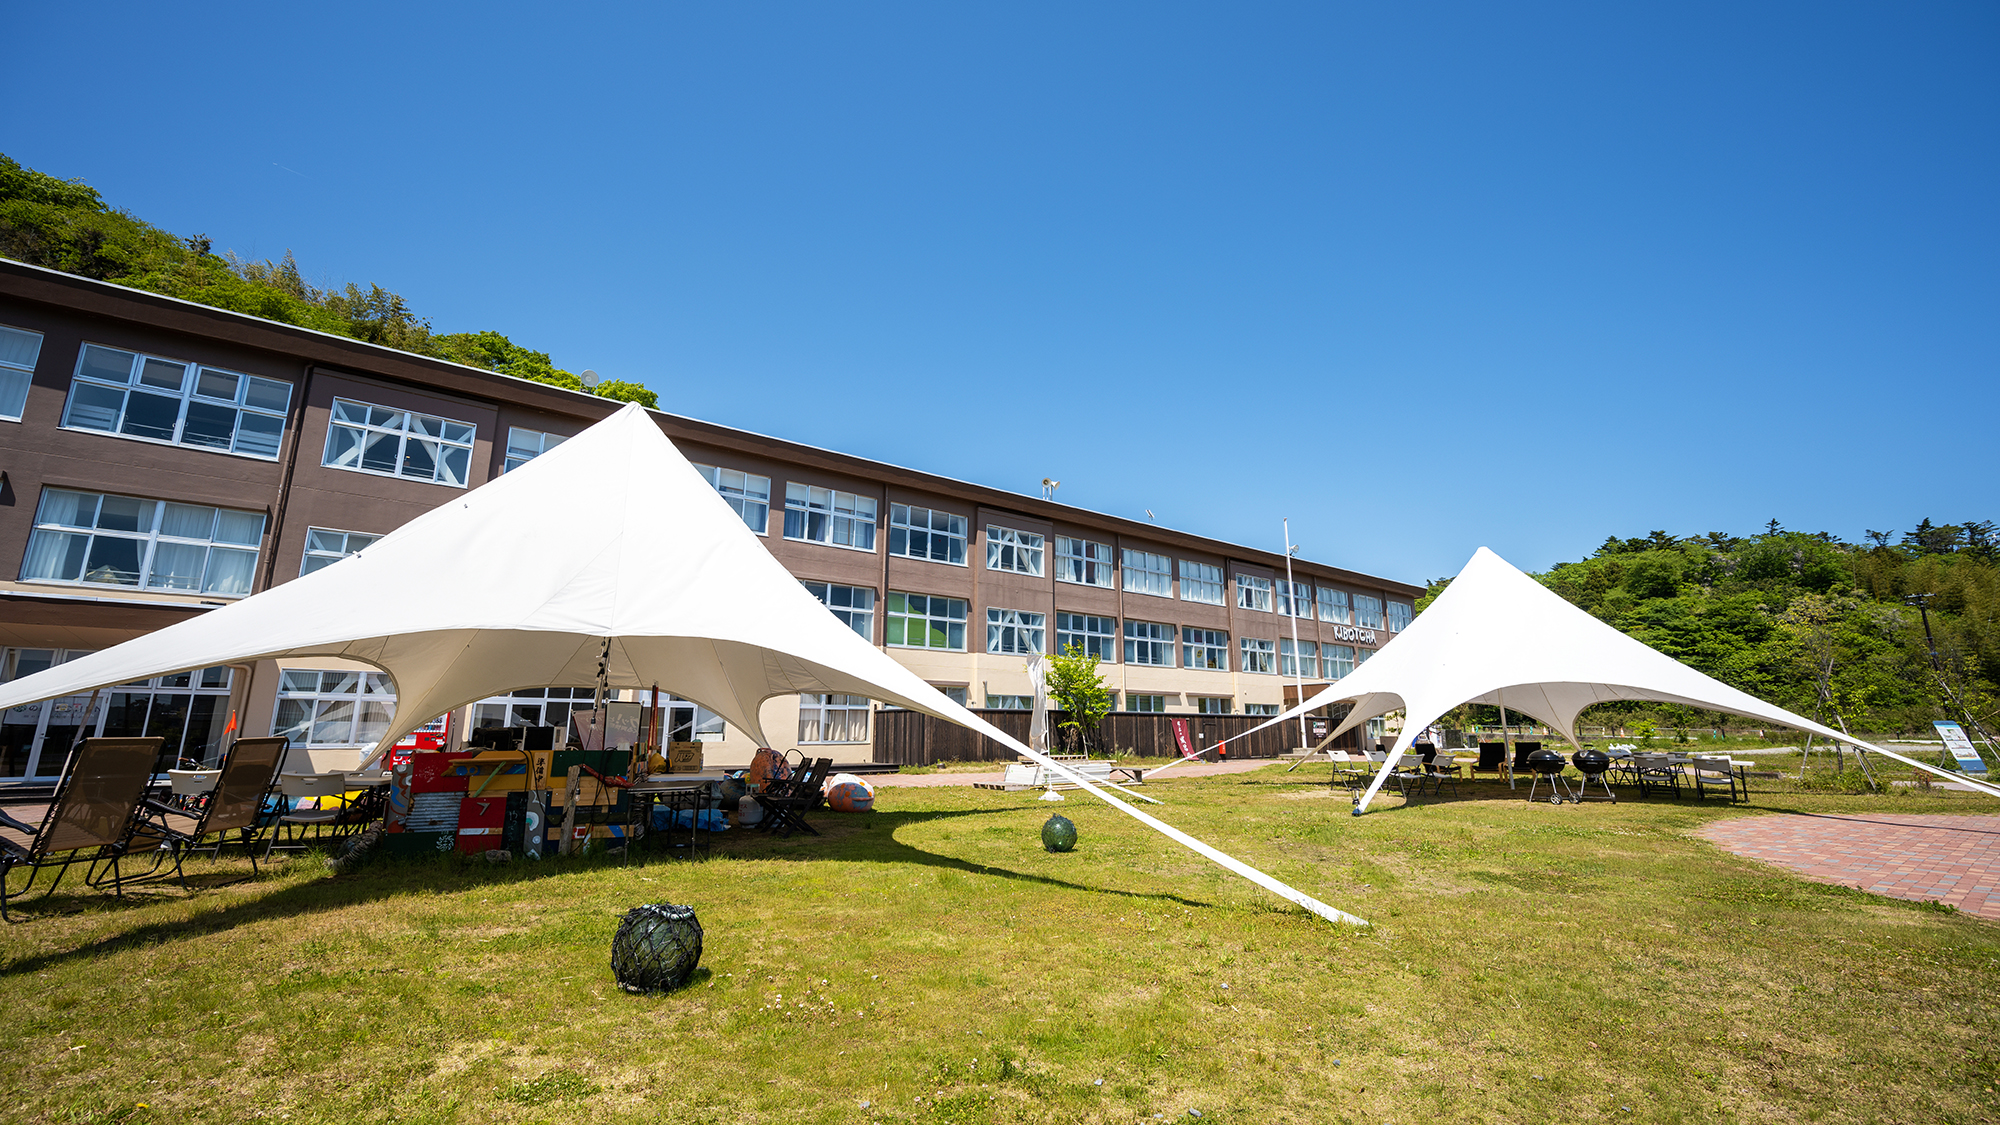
388,877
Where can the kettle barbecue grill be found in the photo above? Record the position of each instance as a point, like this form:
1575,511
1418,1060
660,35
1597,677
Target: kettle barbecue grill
1593,764
1547,765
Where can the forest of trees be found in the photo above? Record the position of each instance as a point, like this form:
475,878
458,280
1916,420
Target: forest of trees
65,225
1816,625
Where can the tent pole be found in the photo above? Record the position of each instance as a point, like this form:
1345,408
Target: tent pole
1506,739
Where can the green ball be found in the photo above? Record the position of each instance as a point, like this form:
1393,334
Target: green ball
1059,834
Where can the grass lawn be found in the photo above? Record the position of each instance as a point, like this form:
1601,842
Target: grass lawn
930,962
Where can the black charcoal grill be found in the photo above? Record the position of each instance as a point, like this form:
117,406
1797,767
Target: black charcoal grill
1593,764
1547,766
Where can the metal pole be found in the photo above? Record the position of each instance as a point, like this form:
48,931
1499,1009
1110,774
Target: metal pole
1298,666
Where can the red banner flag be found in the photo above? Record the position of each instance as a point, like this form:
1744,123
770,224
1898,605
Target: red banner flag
1183,739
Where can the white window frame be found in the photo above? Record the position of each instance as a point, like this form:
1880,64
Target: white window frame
363,693
1084,562
1337,661
1153,638
827,719
1009,702
1292,594
186,391
447,436
854,605
1155,704
844,519
944,544
1260,708
509,708
748,493
1148,573
1333,606
1260,657
1093,634
524,445
1399,616
1017,552
1304,663
1253,592
150,544
1367,612
18,356
327,545
1207,704
1205,649
952,620
1201,582
1015,632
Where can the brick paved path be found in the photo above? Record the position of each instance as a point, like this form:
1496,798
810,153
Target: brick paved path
1951,859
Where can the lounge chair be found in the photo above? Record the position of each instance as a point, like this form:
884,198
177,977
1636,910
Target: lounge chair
89,820
247,776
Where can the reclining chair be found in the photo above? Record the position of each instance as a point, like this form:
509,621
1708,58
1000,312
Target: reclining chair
249,772
90,820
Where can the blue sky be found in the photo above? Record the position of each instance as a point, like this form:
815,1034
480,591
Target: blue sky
1420,277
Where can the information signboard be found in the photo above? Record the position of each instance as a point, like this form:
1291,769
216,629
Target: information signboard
1960,747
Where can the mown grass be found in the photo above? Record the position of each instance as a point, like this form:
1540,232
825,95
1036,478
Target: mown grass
1527,963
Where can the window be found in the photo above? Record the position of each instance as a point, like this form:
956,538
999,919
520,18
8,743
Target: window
325,546
826,515
189,709
1149,643
750,496
1361,656
102,540
1253,592
1148,574
1083,562
1258,656
1399,616
1010,702
921,621
1212,704
524,446
1155,704
321,708
1333,606
144,396
548,707
1093,636
1260,708
1304,663
19,350
926,533
953,692
1018,551
833,718
854,605
398,443
1295,599
1205,648
1338,660
1367,611
1014,630
1201,582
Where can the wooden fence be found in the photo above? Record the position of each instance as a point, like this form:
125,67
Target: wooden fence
908,738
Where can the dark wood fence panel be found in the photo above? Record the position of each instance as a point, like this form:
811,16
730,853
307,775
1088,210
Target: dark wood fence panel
907,738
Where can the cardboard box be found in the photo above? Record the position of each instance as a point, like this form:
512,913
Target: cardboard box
684,757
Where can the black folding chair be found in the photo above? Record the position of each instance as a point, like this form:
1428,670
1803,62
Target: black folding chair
786,805
249,774
90,819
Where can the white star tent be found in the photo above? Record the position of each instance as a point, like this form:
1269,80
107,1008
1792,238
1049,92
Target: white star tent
1497,636
462,603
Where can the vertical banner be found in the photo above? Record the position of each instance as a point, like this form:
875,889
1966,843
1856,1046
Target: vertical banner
1183,739
1958,746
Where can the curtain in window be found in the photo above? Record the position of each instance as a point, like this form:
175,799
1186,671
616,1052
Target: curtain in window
229,572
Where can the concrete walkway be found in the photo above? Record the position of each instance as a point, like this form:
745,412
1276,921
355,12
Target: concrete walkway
937,780
1923,858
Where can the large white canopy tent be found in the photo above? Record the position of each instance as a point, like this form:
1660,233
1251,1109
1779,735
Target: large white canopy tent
474,599
1497,636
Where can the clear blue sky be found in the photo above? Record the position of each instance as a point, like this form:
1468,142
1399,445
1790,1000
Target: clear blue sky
1420,277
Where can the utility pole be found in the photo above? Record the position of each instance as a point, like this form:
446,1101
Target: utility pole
1292,597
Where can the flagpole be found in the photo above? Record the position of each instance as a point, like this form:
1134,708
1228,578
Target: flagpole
1298,664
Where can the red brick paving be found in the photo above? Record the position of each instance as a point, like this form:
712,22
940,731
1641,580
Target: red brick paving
1950,859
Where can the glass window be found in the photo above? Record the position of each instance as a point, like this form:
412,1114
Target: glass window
827,515
93,539
1201,582
524,446
833,718
926,533
1205,648
319,708
926,621
1333,606
1303,663
854,605
1092,635
1014,630
1018,551
552,707
750,495
954,692
19,349
1148,574
1154,704
1253,592
1367,611
143,396
326,546
1337,660
1260,708
1361,656
1148,642
1212,704
1295,599
1399,616
398,443
1010,702
1259,656
1084,562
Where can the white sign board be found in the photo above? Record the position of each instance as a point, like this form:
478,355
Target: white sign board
1960,747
